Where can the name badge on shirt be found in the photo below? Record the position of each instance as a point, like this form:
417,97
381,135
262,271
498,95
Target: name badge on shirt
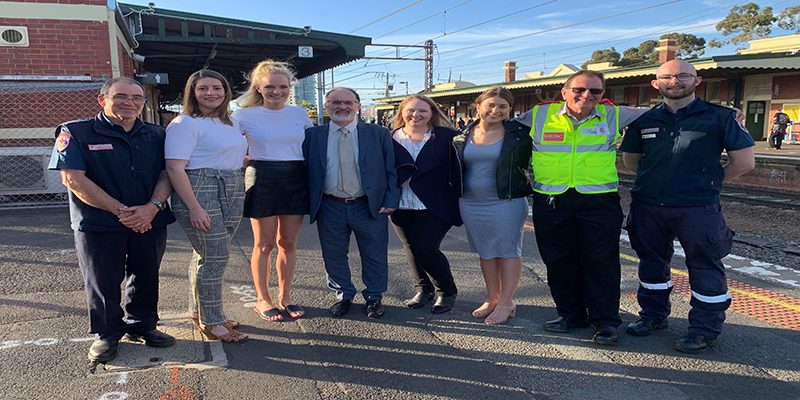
553,136
602,130
103,146
649,133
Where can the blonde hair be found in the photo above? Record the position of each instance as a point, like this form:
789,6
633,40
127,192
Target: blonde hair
267,67
438,117
190,106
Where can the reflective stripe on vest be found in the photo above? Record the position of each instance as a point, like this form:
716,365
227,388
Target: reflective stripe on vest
582,157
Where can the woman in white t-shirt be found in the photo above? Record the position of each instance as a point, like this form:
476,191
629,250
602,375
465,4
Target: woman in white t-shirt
276,182
204,152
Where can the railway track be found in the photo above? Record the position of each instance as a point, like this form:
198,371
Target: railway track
749,194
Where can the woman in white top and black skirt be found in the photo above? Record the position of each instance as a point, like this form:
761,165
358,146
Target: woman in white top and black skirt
276,182
204,152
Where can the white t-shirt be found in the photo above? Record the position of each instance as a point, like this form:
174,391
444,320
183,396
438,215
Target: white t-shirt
205,142
274,135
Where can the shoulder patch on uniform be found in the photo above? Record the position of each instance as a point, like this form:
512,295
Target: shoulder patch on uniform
741,125
63,139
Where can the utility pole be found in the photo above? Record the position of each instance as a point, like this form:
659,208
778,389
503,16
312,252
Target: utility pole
428,65
320,95
387,85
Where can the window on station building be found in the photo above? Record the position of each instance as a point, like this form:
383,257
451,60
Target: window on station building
617,95
712,92
645,97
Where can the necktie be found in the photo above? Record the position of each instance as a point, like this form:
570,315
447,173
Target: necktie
347,163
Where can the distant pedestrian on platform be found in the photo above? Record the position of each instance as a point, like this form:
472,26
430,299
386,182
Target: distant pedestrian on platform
780,122
353,188
675,150
276,184
429,204
491,173
113,166
205,153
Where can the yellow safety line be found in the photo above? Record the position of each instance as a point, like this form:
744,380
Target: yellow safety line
742,292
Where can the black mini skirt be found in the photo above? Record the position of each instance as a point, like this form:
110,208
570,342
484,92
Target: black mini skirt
275,188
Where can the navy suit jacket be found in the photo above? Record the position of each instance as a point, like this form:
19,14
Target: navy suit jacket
430,174
375,163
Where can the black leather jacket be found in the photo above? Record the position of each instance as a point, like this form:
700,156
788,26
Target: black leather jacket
513,167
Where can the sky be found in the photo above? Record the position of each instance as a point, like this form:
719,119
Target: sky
473,38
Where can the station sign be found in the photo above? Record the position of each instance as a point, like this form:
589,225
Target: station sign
153,78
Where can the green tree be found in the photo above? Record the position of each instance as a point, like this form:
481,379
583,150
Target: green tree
644,54
789,19
604,55
747,22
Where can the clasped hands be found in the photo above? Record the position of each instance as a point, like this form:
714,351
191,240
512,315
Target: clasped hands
137,218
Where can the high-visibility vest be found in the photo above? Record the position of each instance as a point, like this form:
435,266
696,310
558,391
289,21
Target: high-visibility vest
582,157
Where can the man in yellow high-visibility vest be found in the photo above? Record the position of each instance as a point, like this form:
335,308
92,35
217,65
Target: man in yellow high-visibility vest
576,208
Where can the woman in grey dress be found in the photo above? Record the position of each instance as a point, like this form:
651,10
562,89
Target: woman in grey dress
493,159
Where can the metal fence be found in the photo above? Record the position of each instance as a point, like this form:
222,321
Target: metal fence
29,114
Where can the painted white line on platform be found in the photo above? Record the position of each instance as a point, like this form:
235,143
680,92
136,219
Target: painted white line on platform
122,378
755,268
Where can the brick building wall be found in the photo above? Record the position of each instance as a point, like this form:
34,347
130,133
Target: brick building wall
58,48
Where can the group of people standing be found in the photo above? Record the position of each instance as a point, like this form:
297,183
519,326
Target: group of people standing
266,161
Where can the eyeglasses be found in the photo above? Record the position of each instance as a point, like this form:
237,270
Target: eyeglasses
681,77
594,91
347,103
124,98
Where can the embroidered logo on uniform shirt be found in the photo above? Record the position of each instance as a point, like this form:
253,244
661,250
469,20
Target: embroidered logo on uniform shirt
650,130
741,125
553,136
63,139
103,146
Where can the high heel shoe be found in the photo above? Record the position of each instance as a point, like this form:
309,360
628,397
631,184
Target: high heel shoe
492,320
484,310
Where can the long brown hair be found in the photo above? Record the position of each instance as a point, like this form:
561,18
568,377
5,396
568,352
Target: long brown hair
496,91
438,117
190,106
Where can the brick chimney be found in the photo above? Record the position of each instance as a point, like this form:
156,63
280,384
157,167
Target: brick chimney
511,71
666,50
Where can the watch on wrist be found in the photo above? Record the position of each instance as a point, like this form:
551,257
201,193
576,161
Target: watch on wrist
161,206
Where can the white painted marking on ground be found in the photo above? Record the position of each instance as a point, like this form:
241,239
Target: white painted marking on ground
757,269
122,378
83,339
248,293
114,396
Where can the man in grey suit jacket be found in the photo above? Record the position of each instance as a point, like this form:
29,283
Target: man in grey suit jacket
353,187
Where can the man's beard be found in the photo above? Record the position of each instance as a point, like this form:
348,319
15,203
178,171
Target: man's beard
676,95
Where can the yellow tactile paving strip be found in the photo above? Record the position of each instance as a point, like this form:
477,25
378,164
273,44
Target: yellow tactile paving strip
751,301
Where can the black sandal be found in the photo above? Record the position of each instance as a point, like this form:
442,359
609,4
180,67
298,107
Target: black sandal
294,311
272,315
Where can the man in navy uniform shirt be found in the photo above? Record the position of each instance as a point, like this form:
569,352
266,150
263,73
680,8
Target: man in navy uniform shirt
113,166
675,150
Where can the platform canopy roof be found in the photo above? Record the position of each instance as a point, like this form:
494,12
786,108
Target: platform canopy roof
179,43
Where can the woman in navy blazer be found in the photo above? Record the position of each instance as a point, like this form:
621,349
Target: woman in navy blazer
429,204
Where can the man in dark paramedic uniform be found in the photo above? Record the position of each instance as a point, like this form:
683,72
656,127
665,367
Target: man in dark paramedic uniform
113,166
675,150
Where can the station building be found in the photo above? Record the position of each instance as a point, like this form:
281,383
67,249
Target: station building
56,54
761,81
